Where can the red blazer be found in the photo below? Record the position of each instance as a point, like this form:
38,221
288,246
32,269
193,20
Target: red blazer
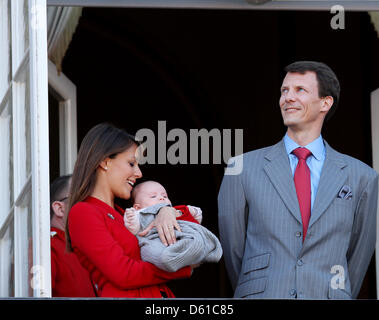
111,253
68,277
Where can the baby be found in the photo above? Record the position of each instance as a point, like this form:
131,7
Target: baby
195,244
151,193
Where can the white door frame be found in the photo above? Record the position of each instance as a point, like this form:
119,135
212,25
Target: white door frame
40,147
66,92
24,209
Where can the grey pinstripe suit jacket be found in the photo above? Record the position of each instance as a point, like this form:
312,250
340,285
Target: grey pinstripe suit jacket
260,228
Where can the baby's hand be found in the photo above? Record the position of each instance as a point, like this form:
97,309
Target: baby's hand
131,220
196,213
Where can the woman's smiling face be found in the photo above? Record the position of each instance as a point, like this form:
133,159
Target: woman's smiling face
122,172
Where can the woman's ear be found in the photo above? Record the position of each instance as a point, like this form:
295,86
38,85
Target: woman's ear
104,164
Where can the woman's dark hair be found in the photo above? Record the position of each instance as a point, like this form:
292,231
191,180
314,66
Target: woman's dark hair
328,84
101,142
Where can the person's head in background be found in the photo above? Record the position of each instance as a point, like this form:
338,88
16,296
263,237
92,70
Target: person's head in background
149,193
59,194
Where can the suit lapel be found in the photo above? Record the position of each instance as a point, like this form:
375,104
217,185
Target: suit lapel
279,172
331,181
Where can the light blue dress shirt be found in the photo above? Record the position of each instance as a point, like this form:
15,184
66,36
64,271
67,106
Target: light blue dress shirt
314,162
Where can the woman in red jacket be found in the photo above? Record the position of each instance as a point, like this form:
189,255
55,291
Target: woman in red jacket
106,168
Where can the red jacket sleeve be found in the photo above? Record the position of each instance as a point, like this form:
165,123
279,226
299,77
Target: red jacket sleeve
186,216
53,268
91,236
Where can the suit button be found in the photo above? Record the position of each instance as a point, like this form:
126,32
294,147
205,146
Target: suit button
300,262
293,292
298,234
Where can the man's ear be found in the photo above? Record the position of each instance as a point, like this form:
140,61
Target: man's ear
58,208
137,206
327,104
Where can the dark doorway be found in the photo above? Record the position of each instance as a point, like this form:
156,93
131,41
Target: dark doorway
217,69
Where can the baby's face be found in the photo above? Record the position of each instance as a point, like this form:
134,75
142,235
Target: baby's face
149,194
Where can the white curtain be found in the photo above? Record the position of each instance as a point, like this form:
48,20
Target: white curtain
375,20
61,25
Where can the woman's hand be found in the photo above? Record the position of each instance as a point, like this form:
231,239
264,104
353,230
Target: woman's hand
166,223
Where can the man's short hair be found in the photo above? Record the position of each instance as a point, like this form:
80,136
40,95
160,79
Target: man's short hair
328,84
58,190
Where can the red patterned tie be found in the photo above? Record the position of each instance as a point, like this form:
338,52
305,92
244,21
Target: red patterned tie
302,180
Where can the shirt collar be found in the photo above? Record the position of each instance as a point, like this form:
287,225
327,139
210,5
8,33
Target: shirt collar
317,146
57,232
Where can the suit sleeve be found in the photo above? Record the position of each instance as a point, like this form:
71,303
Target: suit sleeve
363,239
91,237
232,215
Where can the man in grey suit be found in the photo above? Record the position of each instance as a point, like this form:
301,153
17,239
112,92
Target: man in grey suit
299,221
